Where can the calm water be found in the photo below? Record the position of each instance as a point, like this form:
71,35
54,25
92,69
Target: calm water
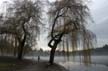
99,63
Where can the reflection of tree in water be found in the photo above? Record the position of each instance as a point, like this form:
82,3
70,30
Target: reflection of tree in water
69,19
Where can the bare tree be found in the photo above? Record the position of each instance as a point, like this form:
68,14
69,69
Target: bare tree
69,19
23,19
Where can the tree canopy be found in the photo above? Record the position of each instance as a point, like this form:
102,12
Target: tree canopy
68,19
23,20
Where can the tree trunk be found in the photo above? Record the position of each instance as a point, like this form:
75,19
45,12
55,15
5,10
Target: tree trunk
21,48
52,53
20,52
56,39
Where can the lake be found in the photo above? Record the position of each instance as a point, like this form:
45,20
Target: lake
98,63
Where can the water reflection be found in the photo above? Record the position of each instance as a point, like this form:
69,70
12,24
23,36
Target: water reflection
76,66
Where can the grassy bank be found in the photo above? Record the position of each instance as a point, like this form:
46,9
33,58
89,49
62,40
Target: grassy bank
12,64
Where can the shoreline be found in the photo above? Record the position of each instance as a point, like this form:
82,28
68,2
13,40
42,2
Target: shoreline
101,60
28,64
43,66
13,64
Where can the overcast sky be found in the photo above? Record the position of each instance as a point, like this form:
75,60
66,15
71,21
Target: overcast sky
99,11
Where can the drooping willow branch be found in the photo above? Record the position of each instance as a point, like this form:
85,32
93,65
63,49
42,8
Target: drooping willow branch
70,17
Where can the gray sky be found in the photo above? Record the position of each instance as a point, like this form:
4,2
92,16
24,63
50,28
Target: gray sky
99,10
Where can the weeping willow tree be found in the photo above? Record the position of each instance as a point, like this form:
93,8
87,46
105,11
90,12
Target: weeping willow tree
22,20
68,20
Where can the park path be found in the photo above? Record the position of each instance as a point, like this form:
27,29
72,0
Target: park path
43,66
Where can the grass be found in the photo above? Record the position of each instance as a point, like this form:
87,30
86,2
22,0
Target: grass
12,64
